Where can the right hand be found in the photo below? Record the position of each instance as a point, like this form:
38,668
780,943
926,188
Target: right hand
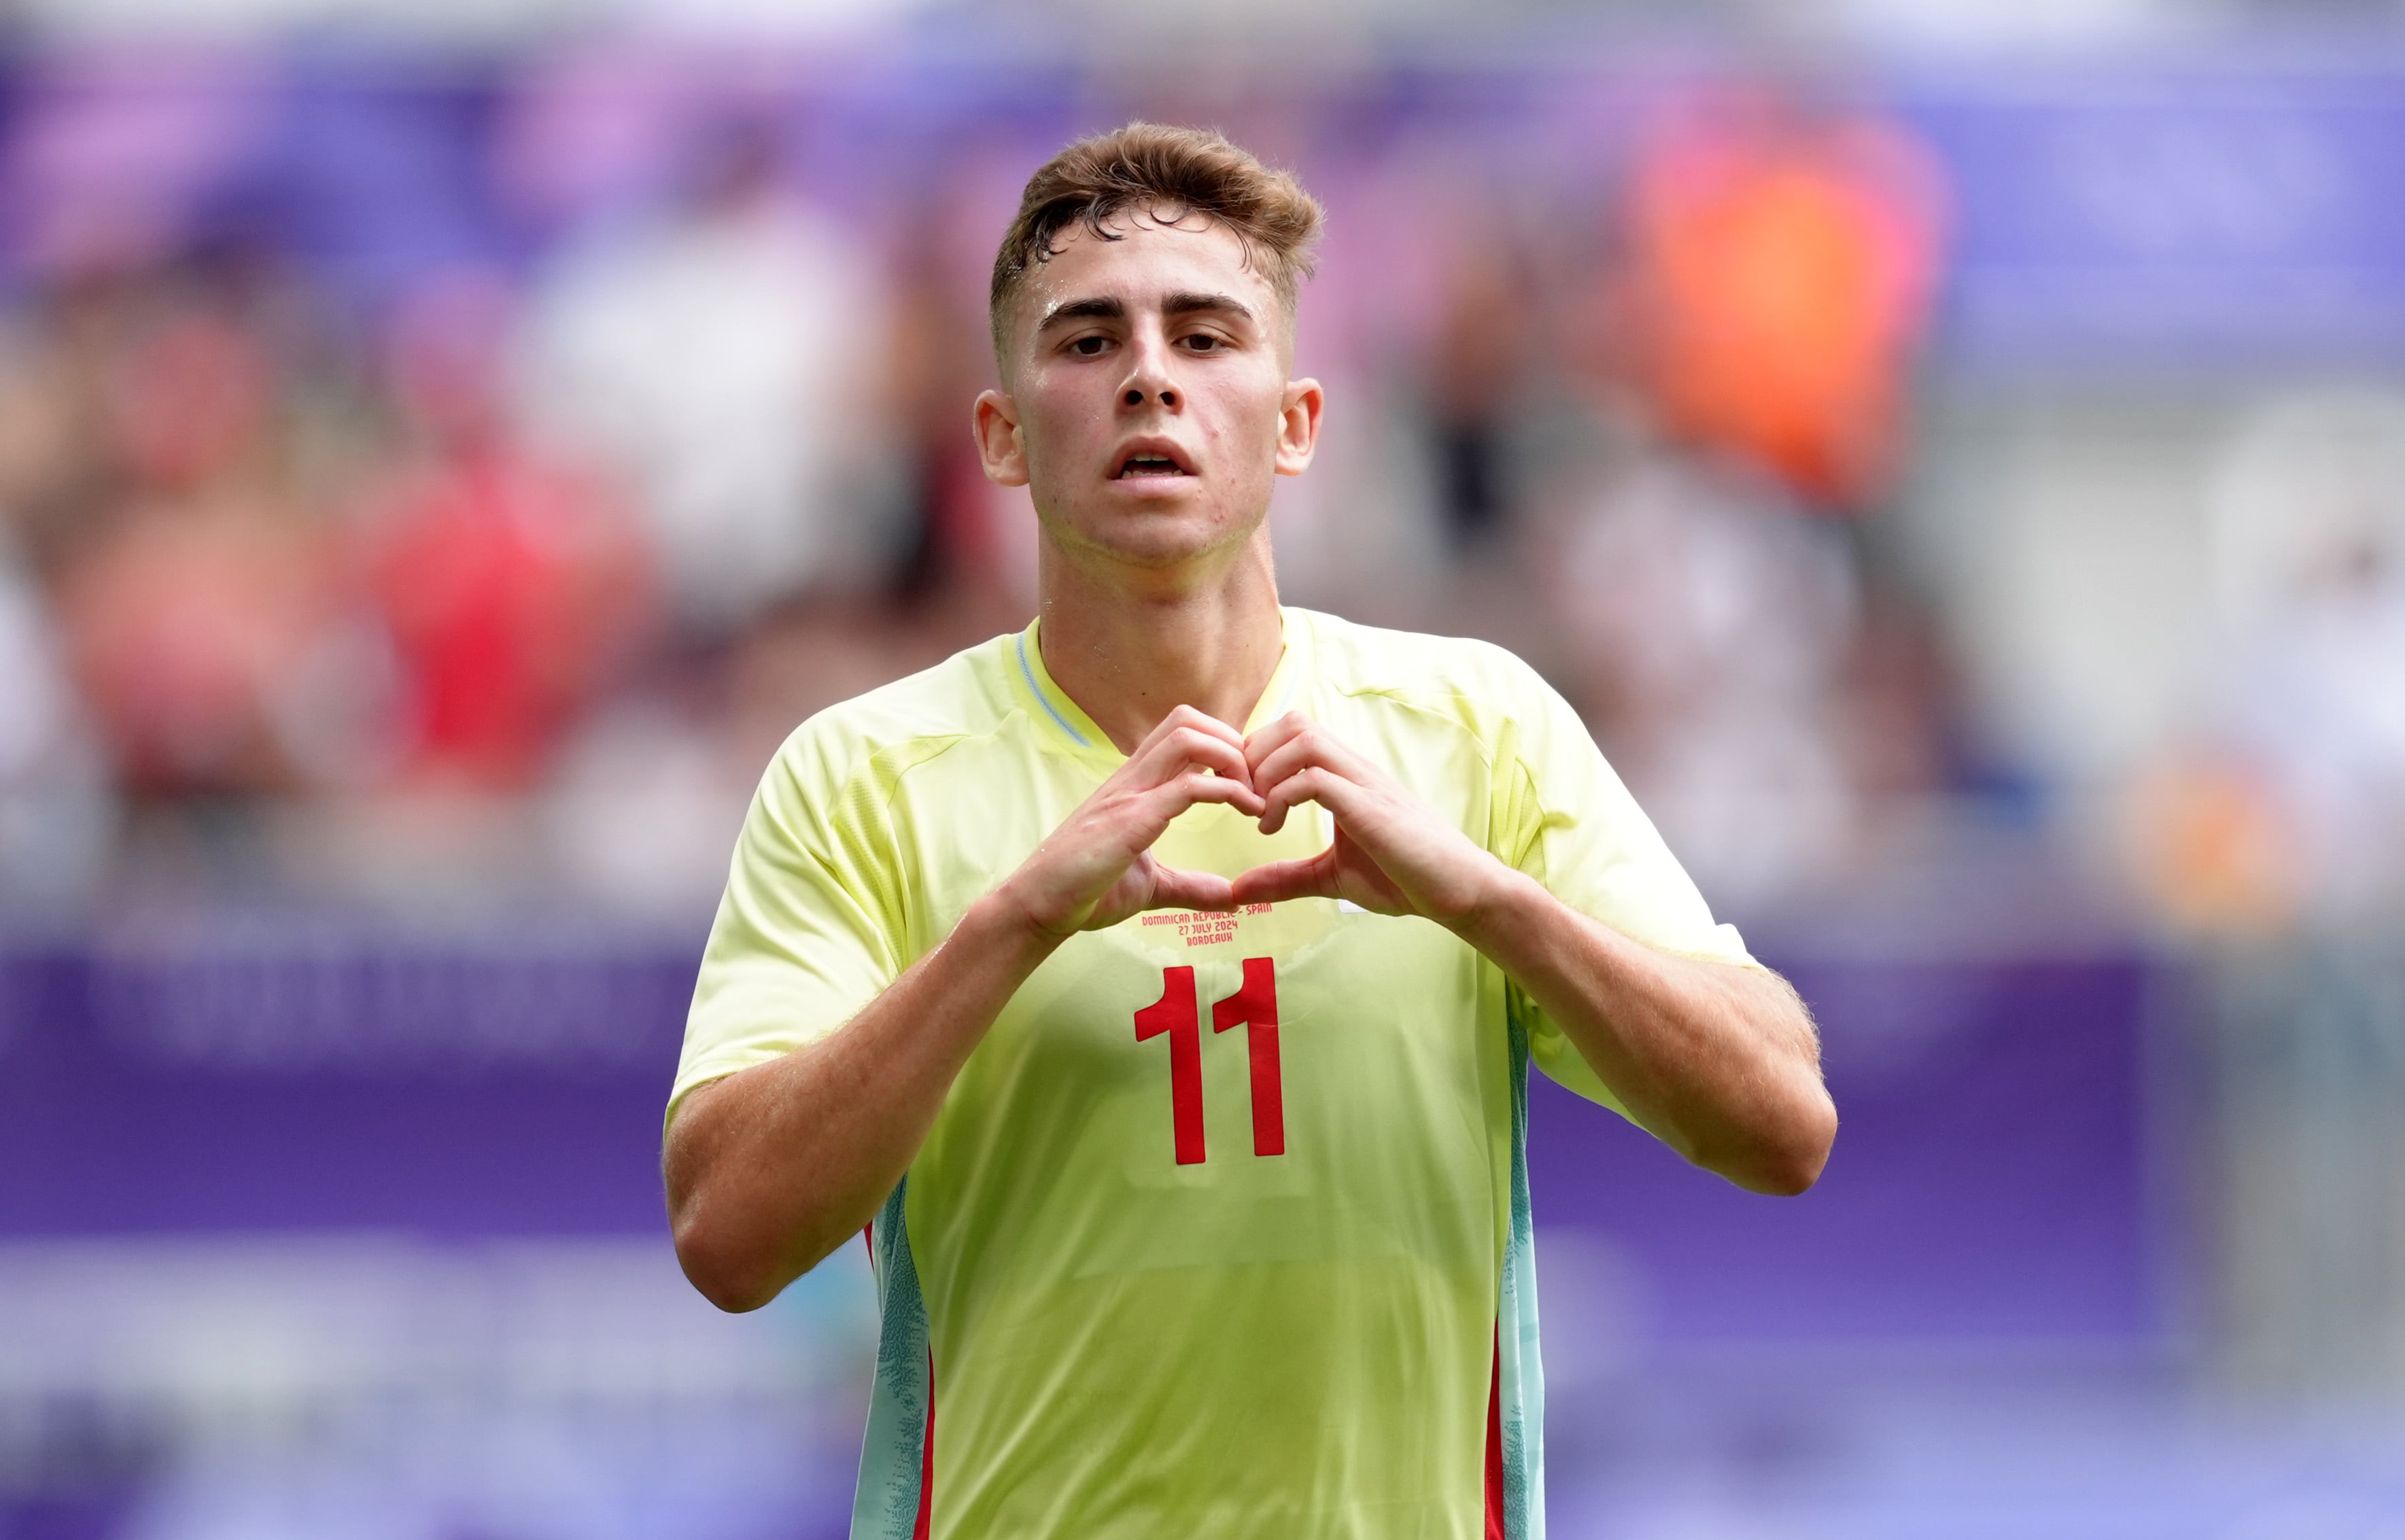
1097,868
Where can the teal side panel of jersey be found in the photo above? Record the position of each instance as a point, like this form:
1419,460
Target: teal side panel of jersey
1523,1374
893,1455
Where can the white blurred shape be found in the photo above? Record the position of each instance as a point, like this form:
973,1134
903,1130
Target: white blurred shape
1722,617
191,20
55,814
719,358
33,701
643,814
2308,539
787,19
343,1387
2314,481
1594,1300
1970,24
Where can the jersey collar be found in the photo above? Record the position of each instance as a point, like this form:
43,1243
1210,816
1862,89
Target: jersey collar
1061,715
1066,723
1284,691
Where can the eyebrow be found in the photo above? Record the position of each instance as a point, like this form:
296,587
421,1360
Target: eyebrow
1106,309
1082,309
1189,303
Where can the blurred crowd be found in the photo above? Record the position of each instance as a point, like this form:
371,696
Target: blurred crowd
437,494
430,491
520,568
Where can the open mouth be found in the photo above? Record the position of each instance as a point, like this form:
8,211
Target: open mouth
1150,465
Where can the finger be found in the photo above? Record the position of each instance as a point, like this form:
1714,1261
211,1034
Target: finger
1270,738
1173,888
1275,881
1169,799
1185,718
1314,745
1188,747
1311,783
1302,786
1295,755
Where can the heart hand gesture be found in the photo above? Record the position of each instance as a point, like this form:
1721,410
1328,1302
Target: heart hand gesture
1392,854
1097,868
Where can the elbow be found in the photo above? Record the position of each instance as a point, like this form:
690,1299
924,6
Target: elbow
1786,1159
1786,1176
723,1276
737,1266
728,1251
1790,1162
738,1262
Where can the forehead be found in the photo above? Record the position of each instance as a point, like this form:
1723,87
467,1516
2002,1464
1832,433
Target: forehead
1148,261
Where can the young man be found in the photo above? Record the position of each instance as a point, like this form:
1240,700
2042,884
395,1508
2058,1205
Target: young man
991,932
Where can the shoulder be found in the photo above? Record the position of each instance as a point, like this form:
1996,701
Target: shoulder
1476,683
877,738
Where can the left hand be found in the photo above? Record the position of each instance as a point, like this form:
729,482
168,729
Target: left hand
1392,855
1719,1061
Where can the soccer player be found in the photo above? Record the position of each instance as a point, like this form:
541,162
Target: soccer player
1157,986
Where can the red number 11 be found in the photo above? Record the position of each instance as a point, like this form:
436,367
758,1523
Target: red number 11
1254,1007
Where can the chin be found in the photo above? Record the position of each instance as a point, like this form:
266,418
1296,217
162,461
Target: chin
1157,535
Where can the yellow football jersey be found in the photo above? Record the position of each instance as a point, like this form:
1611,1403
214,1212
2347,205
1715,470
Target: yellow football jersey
1223,1230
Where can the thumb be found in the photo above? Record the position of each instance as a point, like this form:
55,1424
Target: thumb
1277,880
1173,888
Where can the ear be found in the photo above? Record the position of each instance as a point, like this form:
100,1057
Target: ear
1299,426
1000,447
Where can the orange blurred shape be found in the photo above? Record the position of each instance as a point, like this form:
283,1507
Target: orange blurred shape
1783,270
2211,848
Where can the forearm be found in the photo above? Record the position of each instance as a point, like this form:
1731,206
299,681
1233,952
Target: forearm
1720,1061
772,1168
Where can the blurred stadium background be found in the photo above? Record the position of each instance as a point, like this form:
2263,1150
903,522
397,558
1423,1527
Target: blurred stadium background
1953,454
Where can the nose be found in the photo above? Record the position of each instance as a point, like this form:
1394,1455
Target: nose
1149,380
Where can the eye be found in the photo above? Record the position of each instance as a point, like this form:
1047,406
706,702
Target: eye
1203,341
1089,348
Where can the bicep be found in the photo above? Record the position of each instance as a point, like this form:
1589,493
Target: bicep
1566,819
803,941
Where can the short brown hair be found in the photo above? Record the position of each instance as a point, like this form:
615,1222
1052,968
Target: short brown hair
1170,171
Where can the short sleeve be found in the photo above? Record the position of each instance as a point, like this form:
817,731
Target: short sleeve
808,931
1564,817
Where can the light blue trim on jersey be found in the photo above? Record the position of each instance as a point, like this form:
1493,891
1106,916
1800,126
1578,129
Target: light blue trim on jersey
1521,1382
893,1456
1045,700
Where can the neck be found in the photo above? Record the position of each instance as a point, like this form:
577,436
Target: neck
1129,652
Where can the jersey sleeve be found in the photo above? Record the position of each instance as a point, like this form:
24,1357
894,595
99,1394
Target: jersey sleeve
1564,819
809,928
